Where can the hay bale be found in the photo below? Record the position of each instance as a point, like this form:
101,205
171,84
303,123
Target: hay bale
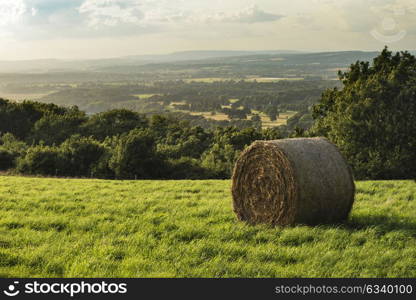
292,181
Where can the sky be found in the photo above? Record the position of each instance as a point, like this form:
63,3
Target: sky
77,29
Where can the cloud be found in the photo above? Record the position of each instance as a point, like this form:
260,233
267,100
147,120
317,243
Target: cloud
194,21
11,11
251,14
352,16
48,19
111,12
147,12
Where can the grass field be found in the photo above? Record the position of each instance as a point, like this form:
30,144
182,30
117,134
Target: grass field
209,79
274,79
281,120
144,96
249,79
21,97
219,116
266,122
95,228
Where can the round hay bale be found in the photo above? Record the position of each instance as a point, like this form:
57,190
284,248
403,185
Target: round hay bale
292,181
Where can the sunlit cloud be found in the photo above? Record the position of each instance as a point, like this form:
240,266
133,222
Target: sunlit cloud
11,11
111,12
115,12
250,15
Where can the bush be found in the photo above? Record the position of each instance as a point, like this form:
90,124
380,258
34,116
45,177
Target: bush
42,160
113,122
187,168
7,159
54,129
11,148
10,143
84,157
220,161
135,157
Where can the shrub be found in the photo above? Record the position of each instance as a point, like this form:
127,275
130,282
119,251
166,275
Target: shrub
187,168
113,122
10,143
7,159
54,128
42,160
220,160
135,157
10,149
83,156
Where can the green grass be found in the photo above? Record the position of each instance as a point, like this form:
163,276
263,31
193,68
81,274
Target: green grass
95,228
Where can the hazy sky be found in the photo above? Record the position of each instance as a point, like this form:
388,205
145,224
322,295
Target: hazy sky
32,29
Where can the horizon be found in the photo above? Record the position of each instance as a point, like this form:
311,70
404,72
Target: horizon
248,52
97,29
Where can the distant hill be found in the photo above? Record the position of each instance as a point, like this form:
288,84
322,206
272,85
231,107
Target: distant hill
202,55
243,65
55,65
134,64
130,63
338,58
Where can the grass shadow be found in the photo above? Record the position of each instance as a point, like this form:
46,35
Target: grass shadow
382,223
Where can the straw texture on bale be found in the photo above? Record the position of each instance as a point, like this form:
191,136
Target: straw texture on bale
292,181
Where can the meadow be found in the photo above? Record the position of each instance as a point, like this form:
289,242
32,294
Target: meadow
220,116
95,228
247,78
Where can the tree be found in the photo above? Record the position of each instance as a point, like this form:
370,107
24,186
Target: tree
272,112
373,118
19,118
135,157
7,159
10,149
113,122
54,129
273,133
220,160
41,160
184,141
83,155
256,118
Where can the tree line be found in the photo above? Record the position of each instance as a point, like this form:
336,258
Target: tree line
50,140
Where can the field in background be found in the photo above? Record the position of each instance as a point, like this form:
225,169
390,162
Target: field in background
219,116
266,122
274,79
249,79
281,120
97,228
144,96
22,97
